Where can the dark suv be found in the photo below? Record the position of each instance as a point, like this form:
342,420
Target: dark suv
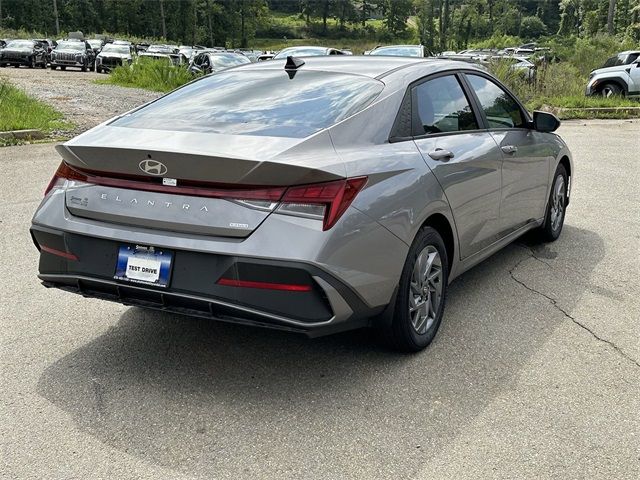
23,52
73,53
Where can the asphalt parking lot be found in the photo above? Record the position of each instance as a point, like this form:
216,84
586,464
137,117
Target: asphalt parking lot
535,372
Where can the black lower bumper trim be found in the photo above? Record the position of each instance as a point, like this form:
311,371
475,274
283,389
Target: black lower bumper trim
190,305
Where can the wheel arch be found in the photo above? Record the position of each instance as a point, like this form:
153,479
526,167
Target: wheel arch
615,80
441,224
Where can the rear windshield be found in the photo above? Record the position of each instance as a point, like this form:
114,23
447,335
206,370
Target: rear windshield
258,102
398,51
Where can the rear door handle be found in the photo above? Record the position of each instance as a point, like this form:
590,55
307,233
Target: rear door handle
441,154
509,149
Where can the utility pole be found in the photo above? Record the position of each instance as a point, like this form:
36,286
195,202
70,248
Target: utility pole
612,11
164,24
55,13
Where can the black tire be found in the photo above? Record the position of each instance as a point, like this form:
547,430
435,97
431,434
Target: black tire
52,67
611,90
63,68
403,334
551,229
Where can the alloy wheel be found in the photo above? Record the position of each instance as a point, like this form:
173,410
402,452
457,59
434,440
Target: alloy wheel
425,289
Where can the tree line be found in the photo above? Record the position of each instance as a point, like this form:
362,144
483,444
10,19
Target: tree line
438,24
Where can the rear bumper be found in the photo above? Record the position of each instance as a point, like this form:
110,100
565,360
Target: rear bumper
330,306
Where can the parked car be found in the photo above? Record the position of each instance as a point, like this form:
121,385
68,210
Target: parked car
159,52
46,43
113,55
213,61
264,56
252,55
400,51
73,53
23,52
96,44
303,51
620,75
141,47
317,201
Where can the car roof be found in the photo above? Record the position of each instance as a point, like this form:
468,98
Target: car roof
370,66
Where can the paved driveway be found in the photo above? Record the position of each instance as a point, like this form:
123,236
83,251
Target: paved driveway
535,372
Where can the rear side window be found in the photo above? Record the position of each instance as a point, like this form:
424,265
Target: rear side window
258,102
442,107
501,110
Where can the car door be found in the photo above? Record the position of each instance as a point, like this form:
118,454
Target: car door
464,158
527,156
634,73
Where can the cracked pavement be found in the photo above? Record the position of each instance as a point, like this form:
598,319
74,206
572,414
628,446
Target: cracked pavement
534,373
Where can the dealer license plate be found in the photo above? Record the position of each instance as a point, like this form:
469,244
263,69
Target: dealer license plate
147,265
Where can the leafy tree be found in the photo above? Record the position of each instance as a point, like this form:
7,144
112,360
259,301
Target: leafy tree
532,28
396,15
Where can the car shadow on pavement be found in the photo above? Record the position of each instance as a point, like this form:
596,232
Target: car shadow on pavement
202,397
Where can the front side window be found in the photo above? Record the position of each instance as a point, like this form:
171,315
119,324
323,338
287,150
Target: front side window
442,107
258,102
501,110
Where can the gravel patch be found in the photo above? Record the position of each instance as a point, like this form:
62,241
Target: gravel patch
75,94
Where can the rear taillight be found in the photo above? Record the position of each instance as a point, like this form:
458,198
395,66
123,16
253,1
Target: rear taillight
63,173
323,201
326,201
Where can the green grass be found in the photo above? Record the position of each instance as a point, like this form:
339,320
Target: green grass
558,86
18,111
156,75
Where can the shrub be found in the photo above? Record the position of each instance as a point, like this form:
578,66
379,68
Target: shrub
158,75
532,28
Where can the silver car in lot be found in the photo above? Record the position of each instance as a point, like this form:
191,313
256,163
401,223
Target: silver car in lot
316,195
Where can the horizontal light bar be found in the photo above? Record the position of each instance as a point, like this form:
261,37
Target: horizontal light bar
289,287
59,253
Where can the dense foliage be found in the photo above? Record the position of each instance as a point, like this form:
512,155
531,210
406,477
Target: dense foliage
438,24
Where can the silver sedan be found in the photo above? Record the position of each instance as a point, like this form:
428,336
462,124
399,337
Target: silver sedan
312,195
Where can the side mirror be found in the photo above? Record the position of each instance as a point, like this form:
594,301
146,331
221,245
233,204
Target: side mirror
545,121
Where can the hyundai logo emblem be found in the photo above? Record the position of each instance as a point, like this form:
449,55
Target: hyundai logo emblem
152,167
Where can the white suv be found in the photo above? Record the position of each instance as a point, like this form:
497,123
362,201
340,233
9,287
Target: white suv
620,75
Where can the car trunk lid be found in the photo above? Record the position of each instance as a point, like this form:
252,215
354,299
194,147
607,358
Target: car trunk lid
213,184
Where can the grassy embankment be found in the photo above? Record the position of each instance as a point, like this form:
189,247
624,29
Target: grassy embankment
19,111
560,85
